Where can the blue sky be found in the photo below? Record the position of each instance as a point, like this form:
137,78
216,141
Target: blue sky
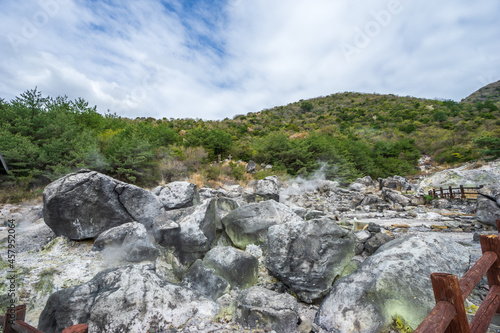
216,59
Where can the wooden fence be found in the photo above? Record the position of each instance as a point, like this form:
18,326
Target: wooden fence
461,192
450,293
13,322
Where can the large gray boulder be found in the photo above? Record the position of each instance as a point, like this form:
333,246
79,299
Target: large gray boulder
190,232
239,268
141,204
248,224
308,256
395,197
224,207
205,280
491,192
469,175
84,204
393,283
126,299
177,195
487,211
127,242
362,184
376,241
258,307
263,189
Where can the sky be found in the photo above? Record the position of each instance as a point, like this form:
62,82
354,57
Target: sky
216,59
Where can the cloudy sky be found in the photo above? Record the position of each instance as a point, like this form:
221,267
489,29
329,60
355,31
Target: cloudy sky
215,59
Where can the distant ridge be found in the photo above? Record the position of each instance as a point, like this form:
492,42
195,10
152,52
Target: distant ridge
488,92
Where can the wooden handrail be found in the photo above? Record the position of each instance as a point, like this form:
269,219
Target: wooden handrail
453,192
450,293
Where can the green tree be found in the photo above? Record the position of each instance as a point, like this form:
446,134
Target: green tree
490,146
306,106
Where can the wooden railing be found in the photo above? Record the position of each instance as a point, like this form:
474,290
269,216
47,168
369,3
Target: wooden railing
13,322
450,293
461,192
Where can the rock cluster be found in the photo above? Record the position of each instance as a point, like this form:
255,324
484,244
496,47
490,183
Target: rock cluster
199,255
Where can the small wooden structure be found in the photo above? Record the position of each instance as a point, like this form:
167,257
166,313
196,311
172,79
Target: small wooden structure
460,192
450,293
13,322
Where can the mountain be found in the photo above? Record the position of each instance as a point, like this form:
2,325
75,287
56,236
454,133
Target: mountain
489,92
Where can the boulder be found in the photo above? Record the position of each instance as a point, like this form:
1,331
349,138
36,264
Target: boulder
392,283
370,200
141,204
357,187
84,204
468,175
190,232
233,191
177,195
258,307
487,211
308,256
248,224
491,192
127,242
263,189
397,182
205,280
442,203
367,181
126,299
239,268
251,167
224,207
361,184
373,227
376,241
395,197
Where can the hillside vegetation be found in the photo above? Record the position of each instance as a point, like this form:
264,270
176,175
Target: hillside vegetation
349,134
489,92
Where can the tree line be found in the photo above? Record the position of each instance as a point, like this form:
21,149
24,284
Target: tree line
43,138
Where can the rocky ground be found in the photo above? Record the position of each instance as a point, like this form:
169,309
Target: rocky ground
45,263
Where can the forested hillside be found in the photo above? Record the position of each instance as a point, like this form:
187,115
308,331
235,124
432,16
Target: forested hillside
350,134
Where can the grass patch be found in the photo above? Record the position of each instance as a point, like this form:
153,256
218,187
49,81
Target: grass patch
14,194
45,284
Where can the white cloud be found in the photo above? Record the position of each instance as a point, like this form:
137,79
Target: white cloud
141,59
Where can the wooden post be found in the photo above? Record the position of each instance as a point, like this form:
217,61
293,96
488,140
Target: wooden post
472,277
9,320
438,319
462,192
21,312
447,288
441,191
434,193
492,243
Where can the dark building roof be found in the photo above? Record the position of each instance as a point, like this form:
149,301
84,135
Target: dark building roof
3,165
